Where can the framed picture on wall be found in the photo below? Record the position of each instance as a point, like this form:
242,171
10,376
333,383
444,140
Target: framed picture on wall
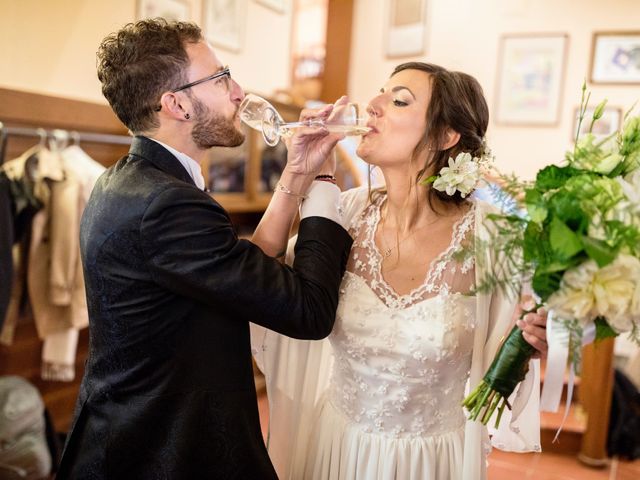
167,9
223,22
406,28
615,58
277,5
603,127
530,79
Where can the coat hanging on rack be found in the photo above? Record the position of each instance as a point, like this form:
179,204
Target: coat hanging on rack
21,188
59,181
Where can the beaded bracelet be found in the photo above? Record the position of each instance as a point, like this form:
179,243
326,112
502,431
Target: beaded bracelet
282,188
326,178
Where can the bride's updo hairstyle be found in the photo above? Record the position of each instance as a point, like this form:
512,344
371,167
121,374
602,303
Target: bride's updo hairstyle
457,103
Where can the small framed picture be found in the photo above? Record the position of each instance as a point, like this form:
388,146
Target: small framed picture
530,79
603,127
615,58
171,10
223,23
406,28
279,6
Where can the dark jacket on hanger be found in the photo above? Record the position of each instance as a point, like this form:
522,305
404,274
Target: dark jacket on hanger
6,244
18,206
168,390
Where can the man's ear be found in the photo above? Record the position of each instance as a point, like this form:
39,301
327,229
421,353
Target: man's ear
172,106
451,139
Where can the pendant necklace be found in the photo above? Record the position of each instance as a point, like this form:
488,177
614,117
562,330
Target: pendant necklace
387,251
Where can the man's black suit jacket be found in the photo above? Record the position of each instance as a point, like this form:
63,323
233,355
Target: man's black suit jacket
168,388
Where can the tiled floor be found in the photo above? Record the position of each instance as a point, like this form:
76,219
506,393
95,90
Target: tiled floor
552,466
538,466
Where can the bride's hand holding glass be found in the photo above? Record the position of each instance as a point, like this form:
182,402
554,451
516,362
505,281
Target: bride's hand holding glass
311,143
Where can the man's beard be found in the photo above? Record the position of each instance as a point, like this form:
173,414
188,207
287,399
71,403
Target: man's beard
213,130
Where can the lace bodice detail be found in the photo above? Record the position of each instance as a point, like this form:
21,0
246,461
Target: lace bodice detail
450,272
401,362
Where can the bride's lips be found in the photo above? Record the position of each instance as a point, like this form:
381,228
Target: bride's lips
373,130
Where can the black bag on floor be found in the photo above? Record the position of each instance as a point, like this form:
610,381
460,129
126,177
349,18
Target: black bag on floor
24,453
624,422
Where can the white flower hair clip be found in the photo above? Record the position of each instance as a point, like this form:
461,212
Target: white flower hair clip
463,174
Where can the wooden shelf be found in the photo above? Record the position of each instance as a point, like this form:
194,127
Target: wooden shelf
239,203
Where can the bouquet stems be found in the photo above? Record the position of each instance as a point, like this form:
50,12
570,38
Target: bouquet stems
509,368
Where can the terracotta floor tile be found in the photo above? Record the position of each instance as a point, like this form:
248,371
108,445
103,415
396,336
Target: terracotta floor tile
546,466
522,460
626,475
567,465
627,470
553,476
507,471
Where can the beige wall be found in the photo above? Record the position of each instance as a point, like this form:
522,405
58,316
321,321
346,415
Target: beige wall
464,35
48,46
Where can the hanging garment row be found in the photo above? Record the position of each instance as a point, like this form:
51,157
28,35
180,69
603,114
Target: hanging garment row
61,137
42,196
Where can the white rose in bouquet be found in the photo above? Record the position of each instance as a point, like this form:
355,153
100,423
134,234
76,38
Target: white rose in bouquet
612,292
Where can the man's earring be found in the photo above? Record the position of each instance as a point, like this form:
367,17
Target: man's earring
187,116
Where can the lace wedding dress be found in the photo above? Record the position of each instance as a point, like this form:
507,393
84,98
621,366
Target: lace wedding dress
381,400
401,363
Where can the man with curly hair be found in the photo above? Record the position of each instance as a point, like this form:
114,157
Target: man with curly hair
168,388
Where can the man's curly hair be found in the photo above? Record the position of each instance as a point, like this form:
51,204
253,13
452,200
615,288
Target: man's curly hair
140,62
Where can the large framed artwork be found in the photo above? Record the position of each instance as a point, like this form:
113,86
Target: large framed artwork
167,9
530,79
406,28
223,23
615,58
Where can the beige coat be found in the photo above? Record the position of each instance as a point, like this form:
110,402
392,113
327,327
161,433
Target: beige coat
54,272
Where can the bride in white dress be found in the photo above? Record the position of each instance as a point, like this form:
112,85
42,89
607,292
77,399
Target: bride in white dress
381,398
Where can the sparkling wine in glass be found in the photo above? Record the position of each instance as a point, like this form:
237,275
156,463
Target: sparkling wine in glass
254,109
347,119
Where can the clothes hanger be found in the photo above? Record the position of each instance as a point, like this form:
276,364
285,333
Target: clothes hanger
42,133
59,140
75,138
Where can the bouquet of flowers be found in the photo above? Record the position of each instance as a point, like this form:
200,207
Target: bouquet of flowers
576,238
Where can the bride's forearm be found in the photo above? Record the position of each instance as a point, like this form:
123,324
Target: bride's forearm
272,233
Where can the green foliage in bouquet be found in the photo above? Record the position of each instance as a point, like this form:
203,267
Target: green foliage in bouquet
576,238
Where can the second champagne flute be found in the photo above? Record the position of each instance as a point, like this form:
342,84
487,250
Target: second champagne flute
347,119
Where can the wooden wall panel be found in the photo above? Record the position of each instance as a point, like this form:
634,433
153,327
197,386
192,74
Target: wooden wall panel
25,109
338,50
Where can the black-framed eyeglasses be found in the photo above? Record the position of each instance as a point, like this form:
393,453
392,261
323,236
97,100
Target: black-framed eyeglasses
221,73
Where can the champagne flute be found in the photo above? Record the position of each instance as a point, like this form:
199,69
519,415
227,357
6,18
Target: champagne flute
253,109
347,119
